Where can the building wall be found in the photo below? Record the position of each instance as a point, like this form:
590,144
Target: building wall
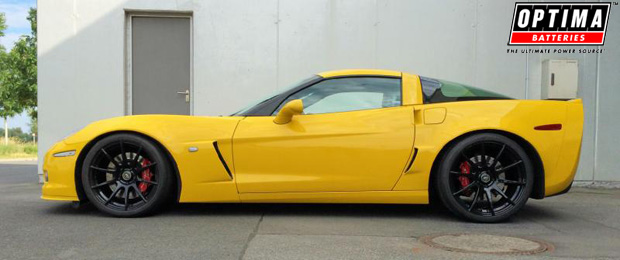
244,50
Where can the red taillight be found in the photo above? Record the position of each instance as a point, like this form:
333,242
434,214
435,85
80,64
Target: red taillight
551,127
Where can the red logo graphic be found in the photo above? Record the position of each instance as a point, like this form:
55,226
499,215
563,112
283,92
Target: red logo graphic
559,24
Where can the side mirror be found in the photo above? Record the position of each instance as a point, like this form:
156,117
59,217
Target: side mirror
285,115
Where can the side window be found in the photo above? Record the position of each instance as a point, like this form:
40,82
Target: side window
437,91
348,94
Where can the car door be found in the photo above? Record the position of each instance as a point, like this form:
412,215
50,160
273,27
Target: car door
354,135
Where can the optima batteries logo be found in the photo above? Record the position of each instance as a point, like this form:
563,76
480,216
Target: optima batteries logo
559,24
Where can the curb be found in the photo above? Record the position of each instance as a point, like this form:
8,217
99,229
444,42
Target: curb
597,184
19,159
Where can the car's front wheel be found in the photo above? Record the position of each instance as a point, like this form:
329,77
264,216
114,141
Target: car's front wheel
126,175
485,178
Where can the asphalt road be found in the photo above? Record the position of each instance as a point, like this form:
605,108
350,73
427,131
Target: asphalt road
584,223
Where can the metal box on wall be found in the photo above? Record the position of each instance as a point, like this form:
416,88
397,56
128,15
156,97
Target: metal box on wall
560,79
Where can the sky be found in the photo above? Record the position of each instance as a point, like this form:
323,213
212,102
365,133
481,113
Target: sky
16,12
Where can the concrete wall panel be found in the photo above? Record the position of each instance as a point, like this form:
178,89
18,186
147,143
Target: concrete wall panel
427,38
244,50
235,53
608,121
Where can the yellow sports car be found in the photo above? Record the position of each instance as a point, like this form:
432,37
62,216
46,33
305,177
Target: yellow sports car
350,136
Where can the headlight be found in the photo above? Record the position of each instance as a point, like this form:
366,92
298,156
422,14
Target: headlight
65,153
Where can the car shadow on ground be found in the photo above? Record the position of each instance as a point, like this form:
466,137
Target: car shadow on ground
537,212
435,212
295,209
224,209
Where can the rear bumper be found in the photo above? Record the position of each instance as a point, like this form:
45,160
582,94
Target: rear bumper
568,159
564,191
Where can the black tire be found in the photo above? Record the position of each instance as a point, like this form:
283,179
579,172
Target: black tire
126,175
464,181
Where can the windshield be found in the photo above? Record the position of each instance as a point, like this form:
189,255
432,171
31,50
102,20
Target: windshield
248,110
436,91
258,102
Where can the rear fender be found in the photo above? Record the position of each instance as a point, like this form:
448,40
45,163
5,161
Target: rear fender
518,117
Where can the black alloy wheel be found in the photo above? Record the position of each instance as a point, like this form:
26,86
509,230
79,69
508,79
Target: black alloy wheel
126,175
485,178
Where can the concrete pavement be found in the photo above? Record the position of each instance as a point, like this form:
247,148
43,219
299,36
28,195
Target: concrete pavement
584,223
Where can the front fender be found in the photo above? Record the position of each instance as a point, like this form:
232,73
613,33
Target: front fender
202,174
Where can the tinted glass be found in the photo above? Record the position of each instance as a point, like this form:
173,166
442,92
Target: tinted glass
436,91
348,94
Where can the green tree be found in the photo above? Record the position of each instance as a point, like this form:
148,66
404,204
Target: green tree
23,63
2,24
18,134
8,102
34,126
8,105
18,75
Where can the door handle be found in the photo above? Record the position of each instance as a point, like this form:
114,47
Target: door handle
552,79
186,93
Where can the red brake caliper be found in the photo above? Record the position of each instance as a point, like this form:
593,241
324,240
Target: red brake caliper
145,175
465,169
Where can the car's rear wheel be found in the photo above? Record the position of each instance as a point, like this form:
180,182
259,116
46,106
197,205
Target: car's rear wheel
126,175
485,178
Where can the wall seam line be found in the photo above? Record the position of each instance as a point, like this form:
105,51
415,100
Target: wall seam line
376,33
277,44
596,113
476,44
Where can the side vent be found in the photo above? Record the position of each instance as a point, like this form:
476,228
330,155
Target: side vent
219,155
415,153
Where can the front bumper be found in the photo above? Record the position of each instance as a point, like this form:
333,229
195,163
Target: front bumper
59,173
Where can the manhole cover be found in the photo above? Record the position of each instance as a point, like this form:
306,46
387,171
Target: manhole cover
487,244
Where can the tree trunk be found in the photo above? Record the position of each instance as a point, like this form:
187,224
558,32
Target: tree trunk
6,131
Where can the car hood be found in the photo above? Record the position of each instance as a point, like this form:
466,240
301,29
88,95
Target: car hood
163,128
